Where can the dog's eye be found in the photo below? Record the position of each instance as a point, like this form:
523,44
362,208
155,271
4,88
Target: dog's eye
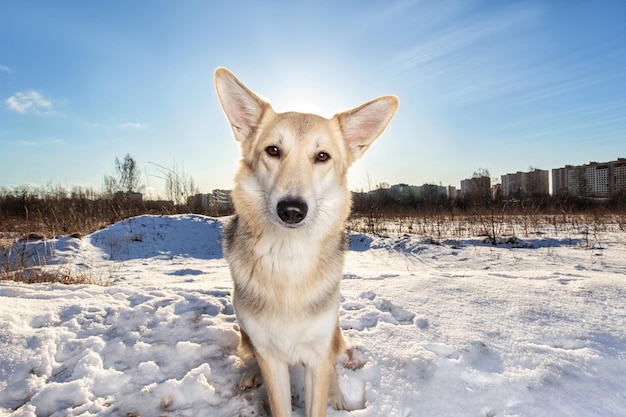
322,157
273,151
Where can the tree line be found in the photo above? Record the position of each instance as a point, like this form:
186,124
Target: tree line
54,209
382,202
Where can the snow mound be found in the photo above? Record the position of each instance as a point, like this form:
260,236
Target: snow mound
160,237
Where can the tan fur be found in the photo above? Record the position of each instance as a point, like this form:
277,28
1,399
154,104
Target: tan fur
285,246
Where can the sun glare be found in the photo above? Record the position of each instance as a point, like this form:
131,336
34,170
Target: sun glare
316,90
303,97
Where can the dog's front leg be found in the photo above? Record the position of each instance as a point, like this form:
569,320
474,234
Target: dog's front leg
276,378
335,397
316,382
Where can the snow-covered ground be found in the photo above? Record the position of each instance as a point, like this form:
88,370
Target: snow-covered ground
461,328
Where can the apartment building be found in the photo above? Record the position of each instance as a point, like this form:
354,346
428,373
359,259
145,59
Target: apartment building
617,176
590,180
219,200
452,192
476,187
521,184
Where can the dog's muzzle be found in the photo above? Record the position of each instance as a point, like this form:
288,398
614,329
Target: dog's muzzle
292,211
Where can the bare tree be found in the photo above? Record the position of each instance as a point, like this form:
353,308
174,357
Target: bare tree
480,186
481,172
109,187
26,195
128,175
178,185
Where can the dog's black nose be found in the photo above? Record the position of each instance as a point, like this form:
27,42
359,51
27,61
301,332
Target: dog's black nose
292,211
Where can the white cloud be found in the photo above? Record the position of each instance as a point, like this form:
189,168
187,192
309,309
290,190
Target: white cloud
45,142
29,102
131,125
4,68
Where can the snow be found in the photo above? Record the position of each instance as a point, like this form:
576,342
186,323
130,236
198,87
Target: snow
457,328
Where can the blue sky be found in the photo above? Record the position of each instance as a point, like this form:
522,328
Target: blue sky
501,85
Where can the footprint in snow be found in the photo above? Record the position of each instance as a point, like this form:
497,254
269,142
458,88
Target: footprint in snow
478,355
365,321
368,295
398,313
365,314
354,305
185,271
442,351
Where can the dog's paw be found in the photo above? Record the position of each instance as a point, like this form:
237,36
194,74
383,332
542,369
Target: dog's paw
337,401
251,378
354,358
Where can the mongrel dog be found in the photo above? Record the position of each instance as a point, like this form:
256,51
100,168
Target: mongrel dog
286,243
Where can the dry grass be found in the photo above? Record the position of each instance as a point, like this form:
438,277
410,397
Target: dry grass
587,228
44,275
25,262
18,263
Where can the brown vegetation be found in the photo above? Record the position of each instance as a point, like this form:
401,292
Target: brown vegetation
28,214
441,218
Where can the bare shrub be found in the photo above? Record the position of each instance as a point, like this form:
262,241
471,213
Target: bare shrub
23,261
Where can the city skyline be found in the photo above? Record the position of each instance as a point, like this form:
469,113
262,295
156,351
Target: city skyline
593,179
498,86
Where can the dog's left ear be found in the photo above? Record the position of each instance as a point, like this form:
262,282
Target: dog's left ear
243,108
362,125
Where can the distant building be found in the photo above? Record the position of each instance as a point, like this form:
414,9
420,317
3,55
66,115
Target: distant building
525,184
160,205
433,192
559,180
426,191
452,192
199,202
512,185
479,187
617,178
590,180
597,180
129,196
223,200
496,190
402,191
219,201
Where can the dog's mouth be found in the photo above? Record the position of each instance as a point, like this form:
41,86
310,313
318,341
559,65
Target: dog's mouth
292,212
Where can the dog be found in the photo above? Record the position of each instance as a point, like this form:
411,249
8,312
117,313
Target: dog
285,244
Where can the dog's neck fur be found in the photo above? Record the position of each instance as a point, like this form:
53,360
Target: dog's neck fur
285,264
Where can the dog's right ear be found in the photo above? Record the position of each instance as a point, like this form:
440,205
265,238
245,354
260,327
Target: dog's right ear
243,108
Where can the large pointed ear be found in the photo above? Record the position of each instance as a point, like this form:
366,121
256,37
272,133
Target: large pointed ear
243,108
362,125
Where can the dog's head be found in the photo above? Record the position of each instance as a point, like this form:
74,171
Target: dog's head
294,165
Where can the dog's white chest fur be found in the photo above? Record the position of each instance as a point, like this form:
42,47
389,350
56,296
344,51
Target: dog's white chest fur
290,258
292,339
289,280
